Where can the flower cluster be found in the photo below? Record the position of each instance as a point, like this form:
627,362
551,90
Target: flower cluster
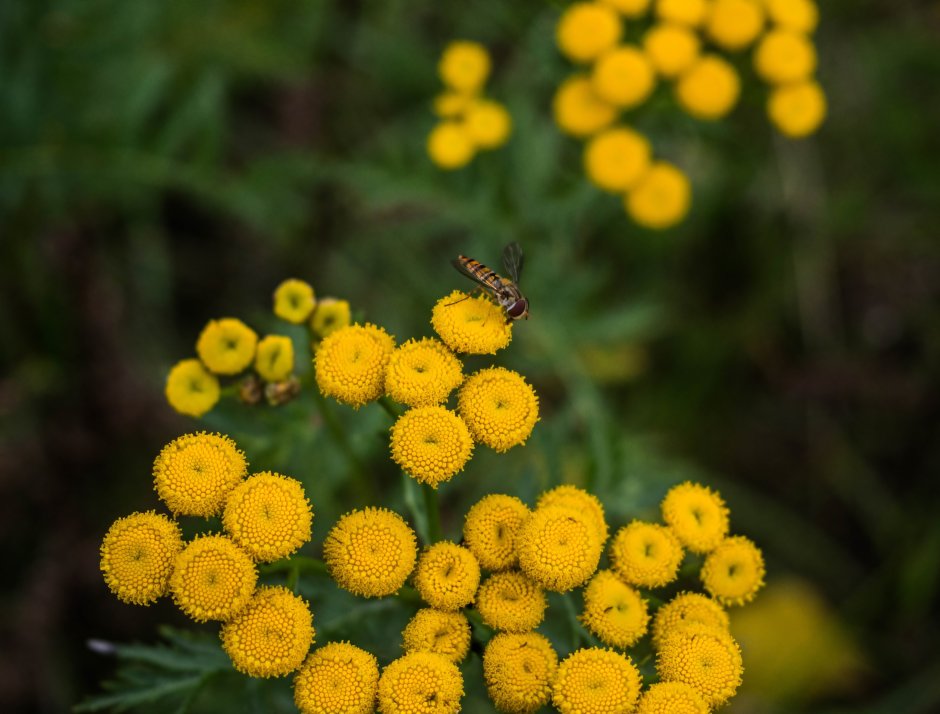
469,122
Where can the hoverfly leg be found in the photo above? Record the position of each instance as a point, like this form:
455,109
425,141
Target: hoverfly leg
477,290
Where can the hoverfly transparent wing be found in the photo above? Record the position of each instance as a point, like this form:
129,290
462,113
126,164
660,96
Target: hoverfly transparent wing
460,264
512,261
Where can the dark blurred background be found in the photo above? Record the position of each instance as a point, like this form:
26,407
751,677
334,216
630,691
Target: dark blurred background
165,163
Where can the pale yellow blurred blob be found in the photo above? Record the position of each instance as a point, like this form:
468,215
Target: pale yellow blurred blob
614,363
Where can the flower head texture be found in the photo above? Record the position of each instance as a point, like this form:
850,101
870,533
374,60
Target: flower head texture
586,30
329,316
734,24
270,637
709,89
488,123
337,678
795,15
584,502
596,680
697,515
464,66
489,530
350,364
473,325
511,601
431,444
447,576
783,57
645,554
558,547
450,146
195,473
671,698
499,407
683,12
623,77
191,389
519,670
274,360
684,609
614,611
444,633
213,579
422,373
370,552
226,346
671,48
578,111
796,110
706,659
420,683
268,515
137,555
734,571
615,159
294,301
661,199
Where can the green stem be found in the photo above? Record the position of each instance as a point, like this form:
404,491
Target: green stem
363,485
433,512
298,564
392,409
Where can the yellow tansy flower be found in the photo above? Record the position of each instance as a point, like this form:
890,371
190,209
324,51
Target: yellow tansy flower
709,89
697,515
370,552
596,680
226,346
685,12
213,579
734,571
490,527
519,669
270,637
420,683
614,611
586,30
685,609
795,15
464,66
783,57
450,145
671,698
447,576
444,633
629,8
195,473
350,364
734,24
451,105
671,48
511,601
661,198
294,301
646,554
137,555
578,111
797,109
615,159
475,325
570,496
338,677
623,77
499,407
430,444
422,373
706,659
329,316
558,547
191,388
488,123
274,360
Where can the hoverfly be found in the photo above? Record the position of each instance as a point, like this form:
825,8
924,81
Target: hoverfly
504,290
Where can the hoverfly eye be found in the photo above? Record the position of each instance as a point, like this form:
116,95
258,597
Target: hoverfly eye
518,309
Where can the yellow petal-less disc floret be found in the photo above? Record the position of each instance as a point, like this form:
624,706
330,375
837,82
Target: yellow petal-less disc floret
586,30
226,346
430,444
629,8
558,547
734,571
490,528
474,325
191,388
195,473
685,609
671,48
271,636
623,77
671,698
329,316
337,678
578,111
519,669
645,554
615,159
709,89
734,24
685,12
350,364
370,552
137,556
269,516
213,579
797,109
294,301
274,361
697,515
499,407
796,15
614,611
450,145
511,601
661,199
422,373
488,123
783,57
420,683
464,66
596,680
439,631
586,503
447,576
706,659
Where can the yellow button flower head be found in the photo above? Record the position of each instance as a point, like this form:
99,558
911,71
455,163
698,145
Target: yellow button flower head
274,361
558,547
447,576
615,159
294,301
586,30
614,611
422,373
734,571
420,683
226,346
490,528
578,111
191,388
213,579
137,556
450,145
697,515
629,8
464,66
783,57
475,325
797,109
195,473
488,123
685,609
444,633
795,15
671,698
350,364
706,659
570,496
519,670
431,444
370,552
661,199
596,680
671,48
329,316
685,12
646,554
499,407
451,105
338,677
511,601
709,89
269,516
623,77
734,24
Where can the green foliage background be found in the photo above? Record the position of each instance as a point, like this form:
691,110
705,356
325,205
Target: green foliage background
165,163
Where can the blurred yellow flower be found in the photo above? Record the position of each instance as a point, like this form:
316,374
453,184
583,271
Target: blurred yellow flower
661,198
795,15
646,554
350,364
709,89
584,502
511,601
499,407
274,360
447,576
488,123
419,683
734,24
137,556
706,659
623,77
294,301
558,547
797,110
783,57
195,473
687,608
226,346
697,515
422,373
615,159
474,325
490,528
578,111
586,30
191,388
671,698
338,677
431,444
464,66
451,105
329,316
685,12
596,680
629,8
450,145
671,48
519,670
734,571
438,631
614,611
213,579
